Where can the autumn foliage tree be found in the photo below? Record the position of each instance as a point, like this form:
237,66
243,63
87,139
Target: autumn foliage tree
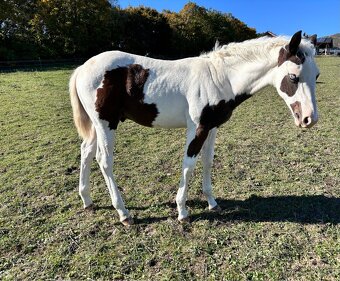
32,29
197,29
54,28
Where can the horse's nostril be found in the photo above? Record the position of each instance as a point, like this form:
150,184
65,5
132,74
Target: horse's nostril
307,120
297,115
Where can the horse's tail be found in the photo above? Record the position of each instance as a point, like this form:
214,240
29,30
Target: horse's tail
81,118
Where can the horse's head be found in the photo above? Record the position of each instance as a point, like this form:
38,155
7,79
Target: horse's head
295,80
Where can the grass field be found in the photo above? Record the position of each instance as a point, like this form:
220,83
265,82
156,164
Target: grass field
278,187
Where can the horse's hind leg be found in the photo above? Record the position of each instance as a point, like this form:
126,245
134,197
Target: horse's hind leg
88,151
104,156
207,162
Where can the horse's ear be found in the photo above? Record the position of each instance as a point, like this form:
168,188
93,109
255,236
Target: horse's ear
294,43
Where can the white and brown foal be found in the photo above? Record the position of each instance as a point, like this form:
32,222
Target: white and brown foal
198,93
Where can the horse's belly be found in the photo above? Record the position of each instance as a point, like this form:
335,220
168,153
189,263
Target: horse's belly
171,112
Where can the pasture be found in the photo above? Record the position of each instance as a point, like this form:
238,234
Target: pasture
278,186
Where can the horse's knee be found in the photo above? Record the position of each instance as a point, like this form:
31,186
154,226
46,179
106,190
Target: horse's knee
207,162
189,163
207,156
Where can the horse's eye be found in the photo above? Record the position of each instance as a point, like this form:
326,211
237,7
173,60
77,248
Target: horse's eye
293,78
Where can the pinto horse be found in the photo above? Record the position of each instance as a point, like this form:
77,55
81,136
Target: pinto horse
198,93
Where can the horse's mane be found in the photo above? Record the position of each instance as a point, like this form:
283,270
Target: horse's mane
261,48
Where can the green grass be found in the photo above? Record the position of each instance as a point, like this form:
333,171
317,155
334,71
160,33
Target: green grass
278,186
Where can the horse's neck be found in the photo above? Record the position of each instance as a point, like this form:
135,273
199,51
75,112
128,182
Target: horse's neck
250,77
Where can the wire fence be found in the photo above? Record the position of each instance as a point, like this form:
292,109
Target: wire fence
38,65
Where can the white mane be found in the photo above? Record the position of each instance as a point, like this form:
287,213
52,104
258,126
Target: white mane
263,48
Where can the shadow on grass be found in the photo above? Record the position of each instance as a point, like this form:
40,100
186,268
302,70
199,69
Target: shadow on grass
301,209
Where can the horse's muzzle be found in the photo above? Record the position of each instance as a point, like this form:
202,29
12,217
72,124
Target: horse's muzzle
306,122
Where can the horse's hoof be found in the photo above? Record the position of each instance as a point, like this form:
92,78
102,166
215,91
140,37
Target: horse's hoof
128,221
216,209
90,208
184,220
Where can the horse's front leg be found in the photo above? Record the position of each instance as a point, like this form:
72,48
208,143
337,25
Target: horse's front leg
207,162
188,166
196,136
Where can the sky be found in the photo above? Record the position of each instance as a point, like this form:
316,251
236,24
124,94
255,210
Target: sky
282,17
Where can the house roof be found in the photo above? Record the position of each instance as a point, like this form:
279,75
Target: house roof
270,34
325,40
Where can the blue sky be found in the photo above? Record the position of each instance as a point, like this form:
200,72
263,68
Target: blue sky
283,17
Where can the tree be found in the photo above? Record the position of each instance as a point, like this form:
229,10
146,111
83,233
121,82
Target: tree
198,28
31,29
72,27
144,31
55,28
15,39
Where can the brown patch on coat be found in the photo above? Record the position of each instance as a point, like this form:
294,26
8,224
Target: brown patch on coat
291,51
285,55
196,144
289,87
213,116
121,97
296,107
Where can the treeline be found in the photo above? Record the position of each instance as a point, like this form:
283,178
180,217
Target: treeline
43,29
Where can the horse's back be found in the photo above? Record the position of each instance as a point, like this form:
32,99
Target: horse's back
164,84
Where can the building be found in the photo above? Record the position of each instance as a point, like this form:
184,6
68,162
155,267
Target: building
269,34
324,44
